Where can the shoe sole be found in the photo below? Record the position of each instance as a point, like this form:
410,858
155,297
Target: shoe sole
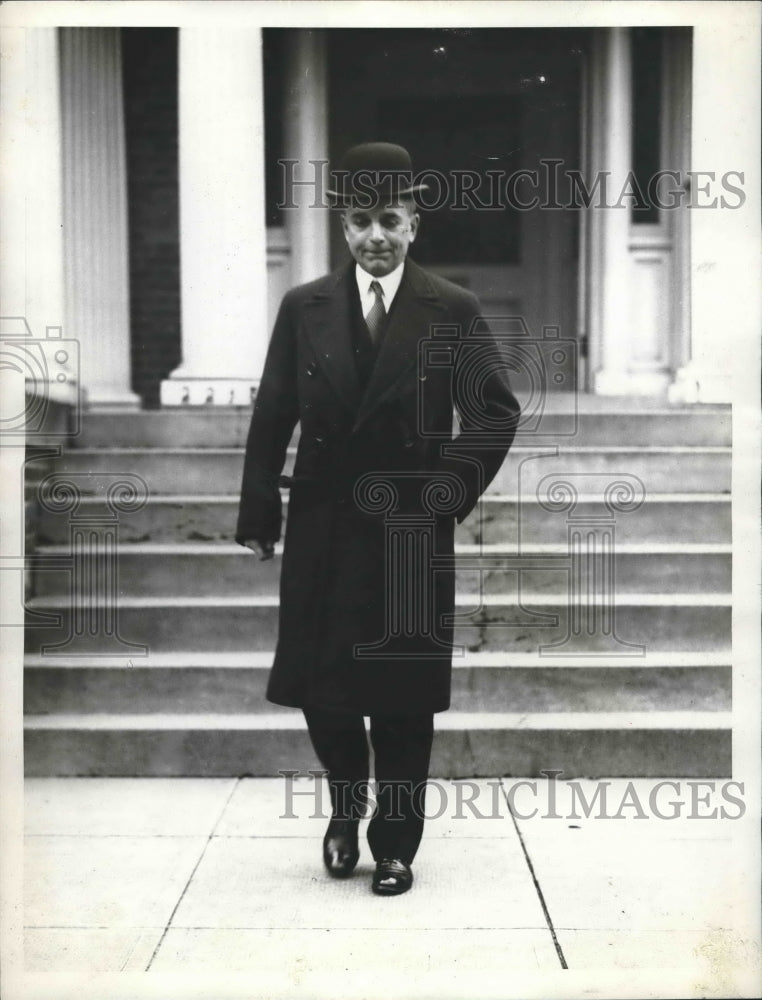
391,890
342,873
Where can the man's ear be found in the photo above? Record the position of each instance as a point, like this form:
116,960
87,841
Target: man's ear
414,220
344,224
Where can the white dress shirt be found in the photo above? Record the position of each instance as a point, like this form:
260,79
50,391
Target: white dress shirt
389,285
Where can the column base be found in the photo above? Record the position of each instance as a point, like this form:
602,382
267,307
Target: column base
107,397
696,385
208,392
50,412
65,392
623,383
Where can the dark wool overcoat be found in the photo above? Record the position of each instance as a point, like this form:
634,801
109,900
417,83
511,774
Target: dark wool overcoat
367,583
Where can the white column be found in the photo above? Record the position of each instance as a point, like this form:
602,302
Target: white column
724,241
222,220
614,347
677,124
96,253
306,140
33,298
43,263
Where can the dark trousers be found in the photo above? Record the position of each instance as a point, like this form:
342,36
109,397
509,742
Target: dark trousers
402,750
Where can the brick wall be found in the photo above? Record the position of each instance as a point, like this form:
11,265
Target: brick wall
150,97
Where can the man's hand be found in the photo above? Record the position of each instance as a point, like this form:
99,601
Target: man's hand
263,550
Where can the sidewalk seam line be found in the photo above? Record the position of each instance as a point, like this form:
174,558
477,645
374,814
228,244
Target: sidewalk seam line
217,822
538,890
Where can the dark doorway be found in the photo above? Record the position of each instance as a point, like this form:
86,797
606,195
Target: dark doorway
476,101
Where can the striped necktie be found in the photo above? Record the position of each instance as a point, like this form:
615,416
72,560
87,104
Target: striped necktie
375,318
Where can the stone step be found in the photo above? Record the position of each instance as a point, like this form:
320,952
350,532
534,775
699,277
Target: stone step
500,518
580,744
196,470
234,683
662,518
670,622
600,422
230,570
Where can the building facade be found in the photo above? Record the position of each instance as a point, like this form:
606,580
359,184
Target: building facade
166,190
171,188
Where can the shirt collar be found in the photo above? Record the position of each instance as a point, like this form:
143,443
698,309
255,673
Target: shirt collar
389,283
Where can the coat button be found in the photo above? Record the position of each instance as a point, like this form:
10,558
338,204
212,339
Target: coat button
312,369
409,443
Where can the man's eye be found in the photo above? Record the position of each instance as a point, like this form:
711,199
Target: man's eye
360,223
390,222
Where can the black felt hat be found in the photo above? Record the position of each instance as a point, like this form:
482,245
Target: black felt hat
371,173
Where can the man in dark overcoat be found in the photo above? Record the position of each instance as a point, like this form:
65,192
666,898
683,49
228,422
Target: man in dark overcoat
371,362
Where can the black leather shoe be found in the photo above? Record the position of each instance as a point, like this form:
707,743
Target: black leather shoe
340,850
392,877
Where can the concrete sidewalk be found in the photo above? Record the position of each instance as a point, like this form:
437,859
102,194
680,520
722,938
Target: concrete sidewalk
205,875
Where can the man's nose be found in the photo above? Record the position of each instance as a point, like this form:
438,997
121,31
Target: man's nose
377,233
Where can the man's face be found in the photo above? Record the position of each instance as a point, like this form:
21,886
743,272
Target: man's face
378,238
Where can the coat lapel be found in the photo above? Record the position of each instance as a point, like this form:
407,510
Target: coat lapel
326,319
417,307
